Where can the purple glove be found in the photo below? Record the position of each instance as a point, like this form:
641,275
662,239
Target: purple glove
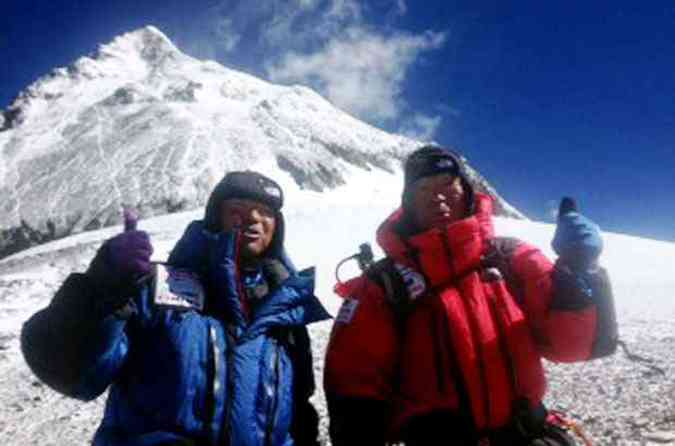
124,259
129,252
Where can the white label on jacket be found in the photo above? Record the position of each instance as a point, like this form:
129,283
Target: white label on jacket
347,311
414,281
178,289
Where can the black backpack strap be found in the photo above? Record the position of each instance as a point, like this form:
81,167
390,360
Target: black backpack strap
384,273
496,265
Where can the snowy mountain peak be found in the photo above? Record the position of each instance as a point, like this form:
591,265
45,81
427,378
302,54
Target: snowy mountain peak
149,42
145,50
137,55
142,124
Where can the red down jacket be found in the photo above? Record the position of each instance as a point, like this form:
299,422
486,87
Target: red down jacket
465,325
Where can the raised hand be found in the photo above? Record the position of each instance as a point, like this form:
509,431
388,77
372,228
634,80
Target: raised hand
577,239
129,252
130,219
567,204
124,259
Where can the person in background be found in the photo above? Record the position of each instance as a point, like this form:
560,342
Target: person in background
442,341
214,352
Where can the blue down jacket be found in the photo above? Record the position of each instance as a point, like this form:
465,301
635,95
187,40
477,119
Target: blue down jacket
181,376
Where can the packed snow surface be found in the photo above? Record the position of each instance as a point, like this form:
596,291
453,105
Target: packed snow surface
617,401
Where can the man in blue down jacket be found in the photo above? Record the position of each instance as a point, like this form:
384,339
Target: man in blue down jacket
220,357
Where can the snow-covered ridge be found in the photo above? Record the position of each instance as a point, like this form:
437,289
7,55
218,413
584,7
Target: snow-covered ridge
142,124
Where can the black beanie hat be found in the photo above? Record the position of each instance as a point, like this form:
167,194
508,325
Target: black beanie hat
434,160
251,186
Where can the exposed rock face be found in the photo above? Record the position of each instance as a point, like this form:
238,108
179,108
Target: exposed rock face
142,124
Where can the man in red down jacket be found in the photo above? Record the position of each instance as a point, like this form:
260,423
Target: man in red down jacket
442,342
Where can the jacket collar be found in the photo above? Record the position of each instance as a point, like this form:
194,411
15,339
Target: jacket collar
440,254
292,303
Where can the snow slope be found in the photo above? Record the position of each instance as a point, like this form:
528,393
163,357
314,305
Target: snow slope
617,401
143,124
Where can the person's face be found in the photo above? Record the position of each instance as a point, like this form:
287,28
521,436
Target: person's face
256,222
438,200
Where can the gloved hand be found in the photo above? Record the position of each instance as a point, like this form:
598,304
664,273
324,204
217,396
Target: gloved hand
577,239
223,245
130,251
124,259
222,248
224,274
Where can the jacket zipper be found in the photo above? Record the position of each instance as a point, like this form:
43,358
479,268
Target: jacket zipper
506,352
272,419
230,387
474,330
245,310
440,381
448,252
231,342
481,364
215,383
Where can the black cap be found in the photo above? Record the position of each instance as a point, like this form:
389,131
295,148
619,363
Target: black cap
251,186
428,161
434,160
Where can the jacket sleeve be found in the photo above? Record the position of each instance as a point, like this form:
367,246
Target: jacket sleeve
571,314
305,424
360,371
78,344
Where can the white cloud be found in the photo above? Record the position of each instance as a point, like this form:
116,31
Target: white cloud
421,127
201,48
345,9
326,44
300,24
271,27
448,110
360,71
401,7
226,33
308,4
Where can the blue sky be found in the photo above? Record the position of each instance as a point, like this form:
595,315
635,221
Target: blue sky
545,98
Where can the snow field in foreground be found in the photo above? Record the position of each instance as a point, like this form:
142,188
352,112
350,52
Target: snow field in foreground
617,401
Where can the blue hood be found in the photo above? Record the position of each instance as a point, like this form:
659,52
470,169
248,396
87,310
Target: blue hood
291,303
